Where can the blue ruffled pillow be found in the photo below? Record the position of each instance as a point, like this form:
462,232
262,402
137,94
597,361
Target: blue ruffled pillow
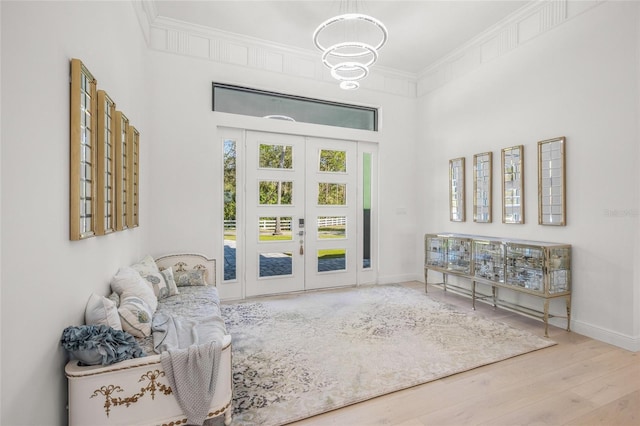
100,344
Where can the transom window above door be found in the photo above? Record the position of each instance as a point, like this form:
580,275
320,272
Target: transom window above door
261,103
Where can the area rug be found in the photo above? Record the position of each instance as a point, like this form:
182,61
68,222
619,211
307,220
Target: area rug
303,355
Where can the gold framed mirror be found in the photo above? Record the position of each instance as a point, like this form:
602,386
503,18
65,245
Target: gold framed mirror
121,169
105,189
551,182
456,190
83,141
513,184
482,183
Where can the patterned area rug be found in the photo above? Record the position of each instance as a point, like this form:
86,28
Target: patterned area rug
298,356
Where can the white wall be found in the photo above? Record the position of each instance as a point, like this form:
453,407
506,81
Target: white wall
47,279
186,160
636,298
0,211
579,80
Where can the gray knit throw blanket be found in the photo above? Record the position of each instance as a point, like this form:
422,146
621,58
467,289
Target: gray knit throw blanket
192,373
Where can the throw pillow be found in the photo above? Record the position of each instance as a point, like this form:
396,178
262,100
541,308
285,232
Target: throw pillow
115,297
148,270
99,344
167,274
135,315
101,311
194,277
128,282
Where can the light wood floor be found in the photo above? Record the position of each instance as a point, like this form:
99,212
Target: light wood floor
579,381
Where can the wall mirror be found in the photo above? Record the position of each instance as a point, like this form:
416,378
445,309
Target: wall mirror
456,190
551,182
83,152
482,172
513,184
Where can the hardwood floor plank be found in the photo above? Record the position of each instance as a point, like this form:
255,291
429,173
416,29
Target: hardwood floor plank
624,411
557,409
616,384
508,393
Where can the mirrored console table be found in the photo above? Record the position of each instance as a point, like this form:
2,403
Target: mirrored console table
532,267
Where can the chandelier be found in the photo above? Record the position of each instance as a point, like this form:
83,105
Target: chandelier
349,43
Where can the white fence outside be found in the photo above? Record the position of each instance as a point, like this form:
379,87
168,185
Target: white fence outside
285,223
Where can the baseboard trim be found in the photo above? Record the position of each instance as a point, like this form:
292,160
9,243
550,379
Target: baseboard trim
594,332
392,279
608,336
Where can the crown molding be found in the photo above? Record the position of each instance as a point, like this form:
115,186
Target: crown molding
146,12
515,30
186,39
182,38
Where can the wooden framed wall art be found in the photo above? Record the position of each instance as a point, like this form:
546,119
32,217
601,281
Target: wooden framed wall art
105,192
456,190
104,161
121,175
133,178
513,184
482,183
552,182
83,155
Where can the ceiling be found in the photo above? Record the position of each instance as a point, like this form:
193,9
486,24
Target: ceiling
420,32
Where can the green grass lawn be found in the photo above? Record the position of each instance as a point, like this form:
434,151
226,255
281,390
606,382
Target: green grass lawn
326,253
269,237
331,253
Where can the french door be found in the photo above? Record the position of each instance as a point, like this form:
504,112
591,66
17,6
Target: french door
275,207
302,217
331,210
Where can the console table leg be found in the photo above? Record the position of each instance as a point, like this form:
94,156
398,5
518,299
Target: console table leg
473,295
568,313
426,280
494,291
546,317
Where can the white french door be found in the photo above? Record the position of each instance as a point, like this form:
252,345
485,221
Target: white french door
275,200
301,222
297,213
331,194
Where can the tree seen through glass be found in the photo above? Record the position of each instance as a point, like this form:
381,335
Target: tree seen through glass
276,156
333,161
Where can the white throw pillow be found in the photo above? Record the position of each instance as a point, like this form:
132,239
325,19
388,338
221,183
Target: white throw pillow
191,278
167,274
148,270
114,297
128,282
102,311
135,315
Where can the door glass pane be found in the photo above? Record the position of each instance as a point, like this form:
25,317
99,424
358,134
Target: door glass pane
332,194
332,161
275,264
366,214
276,156
332,260
275,192
331,227
275,229
230,230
